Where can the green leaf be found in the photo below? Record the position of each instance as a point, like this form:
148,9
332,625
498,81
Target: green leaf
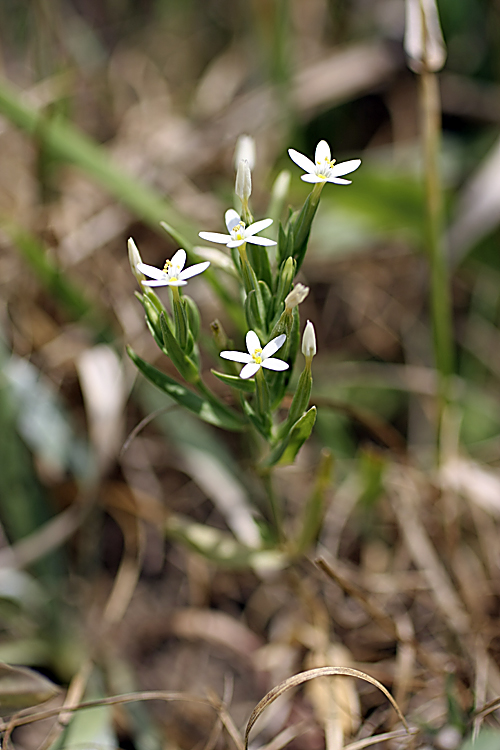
285,452
203,409
235,381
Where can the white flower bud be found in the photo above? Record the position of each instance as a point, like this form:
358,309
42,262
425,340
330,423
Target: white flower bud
309,341
243,188
134,257
245,149
296,296
423,41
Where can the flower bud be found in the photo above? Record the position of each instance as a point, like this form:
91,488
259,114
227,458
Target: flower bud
281,185
309,341
134,257
245,149
243,188
296,296
423,41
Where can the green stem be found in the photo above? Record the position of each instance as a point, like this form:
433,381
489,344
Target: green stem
441,308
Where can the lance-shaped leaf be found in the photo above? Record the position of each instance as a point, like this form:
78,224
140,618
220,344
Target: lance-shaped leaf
209,412
235,381
286,450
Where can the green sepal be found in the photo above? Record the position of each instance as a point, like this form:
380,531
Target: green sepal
153,309
247,385
286,450
180,359
302,222
286,275
208,412
193,315
180,320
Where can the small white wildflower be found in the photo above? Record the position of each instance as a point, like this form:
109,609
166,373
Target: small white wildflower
257,356
173,273
309,341
245,149
323,168
238,233
296,296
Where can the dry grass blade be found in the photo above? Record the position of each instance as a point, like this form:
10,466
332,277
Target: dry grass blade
367,741
311,674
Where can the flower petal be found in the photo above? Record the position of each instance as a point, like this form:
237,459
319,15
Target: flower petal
345,167
155,273
165,282
273,346
249,370
178,260
322,152
194,270
312,178
232,219
274,364
259,241
258,226
302,161
339,181
215,237
235,243
252,342
236,357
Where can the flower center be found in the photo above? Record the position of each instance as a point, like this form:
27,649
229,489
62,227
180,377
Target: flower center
257,356
323,168
238,232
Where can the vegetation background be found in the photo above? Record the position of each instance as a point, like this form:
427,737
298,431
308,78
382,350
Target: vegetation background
116,115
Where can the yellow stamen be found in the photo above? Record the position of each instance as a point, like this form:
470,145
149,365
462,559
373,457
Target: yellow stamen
168,264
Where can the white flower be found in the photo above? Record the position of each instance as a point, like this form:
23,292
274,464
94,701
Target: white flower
172,273
323,169
257,356
238,233
309,341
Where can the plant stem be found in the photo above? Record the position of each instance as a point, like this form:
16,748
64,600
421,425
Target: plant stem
440,298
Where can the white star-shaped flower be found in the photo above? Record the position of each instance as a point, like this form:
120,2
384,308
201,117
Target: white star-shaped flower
238,233
173,273
323,168
257,356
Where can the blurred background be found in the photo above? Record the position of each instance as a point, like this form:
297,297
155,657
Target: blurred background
115,115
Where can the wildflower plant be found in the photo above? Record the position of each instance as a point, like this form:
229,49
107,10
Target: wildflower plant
265,310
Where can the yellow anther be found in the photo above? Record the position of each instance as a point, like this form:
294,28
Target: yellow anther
168,264
256,356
